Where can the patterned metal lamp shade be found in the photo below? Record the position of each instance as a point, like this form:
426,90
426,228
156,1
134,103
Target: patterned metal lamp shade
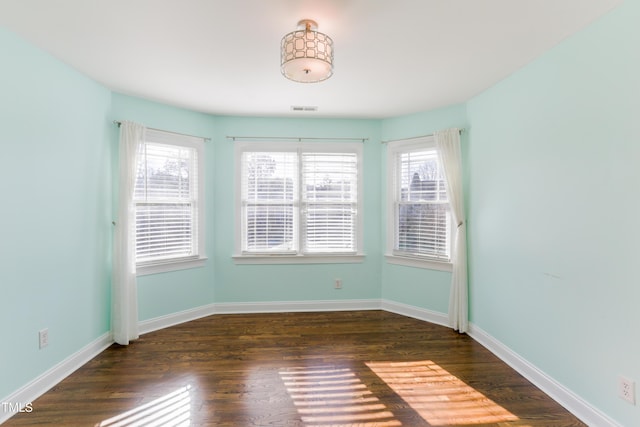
306,55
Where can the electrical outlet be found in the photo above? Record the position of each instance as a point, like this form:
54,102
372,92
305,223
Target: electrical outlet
627,390
43,336
338,284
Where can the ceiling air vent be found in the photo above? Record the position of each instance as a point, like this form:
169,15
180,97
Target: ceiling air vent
304,108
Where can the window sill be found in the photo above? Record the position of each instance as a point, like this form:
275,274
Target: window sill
298,259
172,265
419,263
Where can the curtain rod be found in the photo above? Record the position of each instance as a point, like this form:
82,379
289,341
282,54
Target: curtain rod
414,137
117,122
292,138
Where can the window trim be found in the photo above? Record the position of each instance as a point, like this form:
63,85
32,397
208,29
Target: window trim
298,257
170,265
392,256
199,259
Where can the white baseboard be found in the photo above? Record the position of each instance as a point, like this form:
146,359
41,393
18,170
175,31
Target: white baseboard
415,312
161,322
296,306
565,397
36,388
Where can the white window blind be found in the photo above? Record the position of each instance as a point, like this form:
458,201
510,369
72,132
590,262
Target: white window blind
166,203
270,200
421,208
330,185
300,201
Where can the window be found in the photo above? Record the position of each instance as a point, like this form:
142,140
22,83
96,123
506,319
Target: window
298,201
168,200
419,220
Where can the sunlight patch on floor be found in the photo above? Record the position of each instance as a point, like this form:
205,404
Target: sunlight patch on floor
335,396
438,396
170,410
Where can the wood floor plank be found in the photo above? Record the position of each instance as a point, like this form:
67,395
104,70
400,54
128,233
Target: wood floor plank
360,368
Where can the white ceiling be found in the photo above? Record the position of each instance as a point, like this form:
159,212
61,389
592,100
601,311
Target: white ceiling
222,56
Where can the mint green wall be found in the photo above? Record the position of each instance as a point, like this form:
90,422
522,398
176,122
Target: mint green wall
550,155
554,202
168,293
428,289
222,280
55,222
250,283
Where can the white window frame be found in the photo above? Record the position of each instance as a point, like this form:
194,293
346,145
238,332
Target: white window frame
197,260
297,256
392,256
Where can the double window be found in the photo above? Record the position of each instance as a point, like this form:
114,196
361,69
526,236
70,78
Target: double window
168,201
299,200
419,229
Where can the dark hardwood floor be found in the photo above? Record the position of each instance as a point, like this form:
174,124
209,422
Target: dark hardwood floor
361,368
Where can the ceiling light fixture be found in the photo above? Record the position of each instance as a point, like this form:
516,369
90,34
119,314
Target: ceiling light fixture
306,55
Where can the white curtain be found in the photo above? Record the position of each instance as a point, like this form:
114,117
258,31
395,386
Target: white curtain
448,143
124,297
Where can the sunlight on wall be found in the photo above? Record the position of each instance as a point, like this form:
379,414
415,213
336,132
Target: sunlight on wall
171,410
335,396
438,396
